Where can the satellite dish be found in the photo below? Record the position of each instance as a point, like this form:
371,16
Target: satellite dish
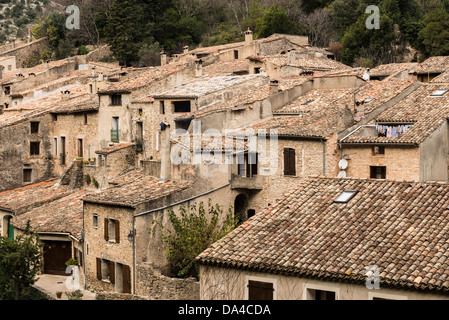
342,174
343,164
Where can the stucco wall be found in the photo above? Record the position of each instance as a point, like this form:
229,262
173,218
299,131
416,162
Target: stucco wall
229,284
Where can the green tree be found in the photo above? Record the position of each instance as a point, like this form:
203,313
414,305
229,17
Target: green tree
274,20
20,261
358,39
435,34
192,233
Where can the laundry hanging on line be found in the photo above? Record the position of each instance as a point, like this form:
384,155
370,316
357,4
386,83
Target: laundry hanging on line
392,131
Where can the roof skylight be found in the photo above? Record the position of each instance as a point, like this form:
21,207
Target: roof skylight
345,196
439,93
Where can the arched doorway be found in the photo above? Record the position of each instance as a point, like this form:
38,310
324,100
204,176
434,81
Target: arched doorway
240,205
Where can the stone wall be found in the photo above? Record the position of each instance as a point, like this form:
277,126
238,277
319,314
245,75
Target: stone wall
160,287
24,52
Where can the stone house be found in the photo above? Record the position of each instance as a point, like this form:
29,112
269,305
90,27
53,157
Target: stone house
59,225
18,201
122,238
115,100
336,239
293,63
408,141
177,106
298,141
431,68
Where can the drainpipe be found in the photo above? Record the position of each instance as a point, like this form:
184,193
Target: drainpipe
83,237
324,157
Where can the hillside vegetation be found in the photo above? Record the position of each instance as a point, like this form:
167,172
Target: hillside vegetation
137,30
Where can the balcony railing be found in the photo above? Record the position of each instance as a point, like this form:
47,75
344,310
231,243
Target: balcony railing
115,135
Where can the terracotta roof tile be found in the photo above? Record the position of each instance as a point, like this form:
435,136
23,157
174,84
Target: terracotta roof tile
135,188
24,198
64,215
401,227
424,112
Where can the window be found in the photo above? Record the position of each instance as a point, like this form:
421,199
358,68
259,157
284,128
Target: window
85,118
162,107
247,164
236,54
34,127
315,294
80,148
95,220
345,196
34,148
111,230
439,93
115,129
181,106
55,146
116,99
27,173
258,290
378,150
289,162
378,172
140,111
54,117
256,70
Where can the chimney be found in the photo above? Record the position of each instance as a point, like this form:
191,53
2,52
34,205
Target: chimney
248,37
274,87
165,152
198,68
366,75
163,58
186,49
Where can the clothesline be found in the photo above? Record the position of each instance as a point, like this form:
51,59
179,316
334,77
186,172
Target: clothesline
390,131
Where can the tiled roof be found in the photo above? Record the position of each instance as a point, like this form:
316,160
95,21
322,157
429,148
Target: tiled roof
135,188
78,100
425,112
305,63
400,227
227,67
393,68
24,198
248,98
205,85
434,65
115,147
143,79
64,215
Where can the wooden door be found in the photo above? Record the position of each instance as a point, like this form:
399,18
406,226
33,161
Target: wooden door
126,279
56,253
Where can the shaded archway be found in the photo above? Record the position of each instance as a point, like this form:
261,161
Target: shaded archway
240,206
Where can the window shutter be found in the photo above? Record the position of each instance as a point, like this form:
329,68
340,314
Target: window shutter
286,162
112,272
117,231
98,268
260,290
106,230
292,162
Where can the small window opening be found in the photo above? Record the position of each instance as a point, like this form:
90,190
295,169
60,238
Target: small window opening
345,196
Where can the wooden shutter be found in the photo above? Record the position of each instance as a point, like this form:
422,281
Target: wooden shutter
289,162
112,271
292,162
117,231
106,229
260,290
252,157
98,268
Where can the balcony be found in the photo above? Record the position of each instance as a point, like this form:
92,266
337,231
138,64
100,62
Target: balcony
251,183
115,136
